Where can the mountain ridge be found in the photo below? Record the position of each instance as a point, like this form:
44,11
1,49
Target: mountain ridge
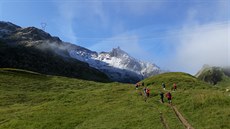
213,74
117,64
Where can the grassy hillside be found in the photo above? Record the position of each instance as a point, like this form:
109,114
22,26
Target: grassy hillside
47,62
204,106
30,100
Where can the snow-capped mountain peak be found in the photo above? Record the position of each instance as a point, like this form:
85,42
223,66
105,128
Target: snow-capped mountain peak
117,52
118,64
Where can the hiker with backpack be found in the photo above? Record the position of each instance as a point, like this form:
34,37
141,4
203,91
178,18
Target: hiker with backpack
143,84
144,90
169,96
147,92
162,96
163,86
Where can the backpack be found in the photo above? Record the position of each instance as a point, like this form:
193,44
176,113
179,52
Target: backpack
169,95
147,90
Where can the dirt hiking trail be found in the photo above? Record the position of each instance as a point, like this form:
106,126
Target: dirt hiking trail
181,118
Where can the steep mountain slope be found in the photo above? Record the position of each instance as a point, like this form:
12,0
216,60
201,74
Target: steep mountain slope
46,62
117,64
31,100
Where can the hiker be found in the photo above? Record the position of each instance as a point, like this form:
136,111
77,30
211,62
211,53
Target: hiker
169,96
162,96
147,92
144,90
163,86
174,86
143,84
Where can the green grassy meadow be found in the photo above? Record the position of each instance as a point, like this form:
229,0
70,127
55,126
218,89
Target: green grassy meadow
31,100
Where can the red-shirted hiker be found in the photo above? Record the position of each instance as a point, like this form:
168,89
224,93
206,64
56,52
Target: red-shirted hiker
169,96
174,86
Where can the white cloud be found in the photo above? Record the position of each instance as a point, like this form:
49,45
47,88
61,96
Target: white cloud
204,38
202,44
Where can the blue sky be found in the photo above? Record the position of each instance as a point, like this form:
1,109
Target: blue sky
176,35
